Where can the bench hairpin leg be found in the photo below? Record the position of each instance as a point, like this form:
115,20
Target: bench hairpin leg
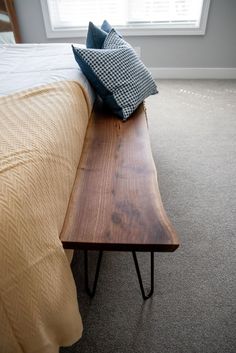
149,294
90,292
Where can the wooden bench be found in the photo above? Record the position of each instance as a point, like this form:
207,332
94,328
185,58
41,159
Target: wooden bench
116,203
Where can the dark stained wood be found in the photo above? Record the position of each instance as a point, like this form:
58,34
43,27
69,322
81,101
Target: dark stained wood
116,203
2,6
7,7
5,26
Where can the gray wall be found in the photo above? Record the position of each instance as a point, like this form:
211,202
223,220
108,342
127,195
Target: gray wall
216,49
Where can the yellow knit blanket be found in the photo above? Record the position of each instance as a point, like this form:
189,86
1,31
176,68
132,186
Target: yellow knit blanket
42,132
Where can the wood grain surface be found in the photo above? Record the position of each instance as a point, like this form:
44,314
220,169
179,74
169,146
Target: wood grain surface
116,203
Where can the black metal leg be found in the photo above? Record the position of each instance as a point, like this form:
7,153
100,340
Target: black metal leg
90,292
149,294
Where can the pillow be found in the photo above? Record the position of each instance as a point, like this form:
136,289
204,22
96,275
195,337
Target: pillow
95,36
114,41
106,26
117,74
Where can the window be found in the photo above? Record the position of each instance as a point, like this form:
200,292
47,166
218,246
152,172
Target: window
132,17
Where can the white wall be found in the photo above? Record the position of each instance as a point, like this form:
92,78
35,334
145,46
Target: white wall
217,49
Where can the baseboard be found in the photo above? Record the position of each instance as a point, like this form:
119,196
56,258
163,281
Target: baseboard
193,72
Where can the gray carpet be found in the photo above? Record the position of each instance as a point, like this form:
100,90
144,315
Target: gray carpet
193,309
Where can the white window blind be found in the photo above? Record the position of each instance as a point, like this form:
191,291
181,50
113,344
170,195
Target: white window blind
127,13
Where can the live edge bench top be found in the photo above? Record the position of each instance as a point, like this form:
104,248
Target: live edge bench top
116,203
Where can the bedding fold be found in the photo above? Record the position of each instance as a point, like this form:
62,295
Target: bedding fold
42,132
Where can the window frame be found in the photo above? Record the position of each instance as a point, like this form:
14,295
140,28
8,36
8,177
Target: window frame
147,30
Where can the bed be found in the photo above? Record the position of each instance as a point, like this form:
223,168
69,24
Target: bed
72,176
45,105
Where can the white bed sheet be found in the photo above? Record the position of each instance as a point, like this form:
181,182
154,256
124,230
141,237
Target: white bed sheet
24,66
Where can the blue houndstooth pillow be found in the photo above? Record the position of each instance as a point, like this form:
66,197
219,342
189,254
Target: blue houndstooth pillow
117,74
